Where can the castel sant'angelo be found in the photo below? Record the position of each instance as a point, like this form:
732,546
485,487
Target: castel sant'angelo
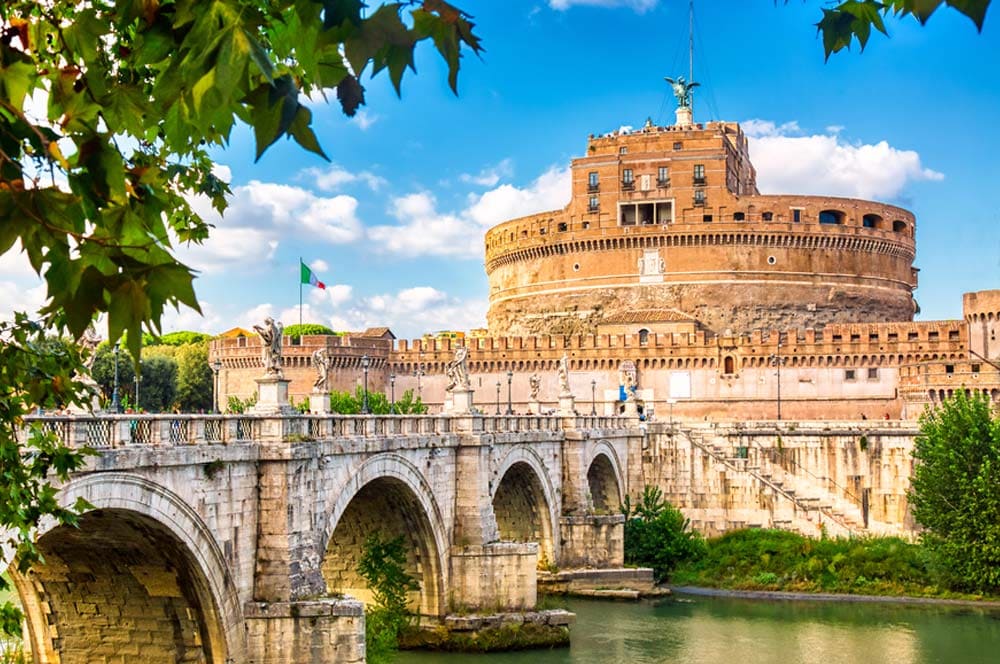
669,271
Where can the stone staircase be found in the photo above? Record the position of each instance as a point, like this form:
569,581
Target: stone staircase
812,504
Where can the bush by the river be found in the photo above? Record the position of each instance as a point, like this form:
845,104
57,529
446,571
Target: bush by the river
781,560
657,535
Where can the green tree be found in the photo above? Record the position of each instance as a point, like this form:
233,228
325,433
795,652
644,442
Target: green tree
657,535
854,19
181,338
383,567
136,94
346,403
297,330
408,405
955,490
194,378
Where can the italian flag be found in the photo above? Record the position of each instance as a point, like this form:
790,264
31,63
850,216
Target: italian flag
309,277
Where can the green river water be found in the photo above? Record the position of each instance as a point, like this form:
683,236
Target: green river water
702,630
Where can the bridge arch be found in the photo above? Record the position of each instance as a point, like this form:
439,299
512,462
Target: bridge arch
524,502
387,494
604,479
142,568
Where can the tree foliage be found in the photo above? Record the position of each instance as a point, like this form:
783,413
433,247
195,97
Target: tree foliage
35,372
955,489
346,403
383,567
194,378
853,20
299,329
657,535
136,94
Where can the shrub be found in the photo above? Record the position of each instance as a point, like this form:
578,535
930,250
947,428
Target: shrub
657,535
382,566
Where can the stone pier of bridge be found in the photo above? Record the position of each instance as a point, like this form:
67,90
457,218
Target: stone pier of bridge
237,538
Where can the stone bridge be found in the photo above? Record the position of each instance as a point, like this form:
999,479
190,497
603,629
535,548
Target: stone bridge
236,538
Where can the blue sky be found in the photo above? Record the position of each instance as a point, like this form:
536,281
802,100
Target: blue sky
394,224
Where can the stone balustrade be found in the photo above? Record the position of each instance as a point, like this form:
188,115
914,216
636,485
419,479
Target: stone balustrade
107,431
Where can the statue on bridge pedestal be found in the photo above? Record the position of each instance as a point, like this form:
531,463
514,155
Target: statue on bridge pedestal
564,376
321,361
534,385
270,339
458,371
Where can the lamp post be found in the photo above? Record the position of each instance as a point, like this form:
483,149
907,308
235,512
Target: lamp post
417,373
593,398
671,402
216,367
510,403
115,405
138,379
392,394
777,360
498,397
365,361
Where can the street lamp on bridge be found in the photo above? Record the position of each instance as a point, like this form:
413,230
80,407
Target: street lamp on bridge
365,362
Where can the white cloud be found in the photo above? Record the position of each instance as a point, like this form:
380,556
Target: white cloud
409,312
319,265
489,177
260,215
18,295
424,230
364,119
826,164
334,177
208,321
640,6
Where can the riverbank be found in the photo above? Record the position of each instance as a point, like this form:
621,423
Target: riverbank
783,596
785,562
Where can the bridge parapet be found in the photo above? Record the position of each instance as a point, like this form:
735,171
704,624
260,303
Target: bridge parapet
108,431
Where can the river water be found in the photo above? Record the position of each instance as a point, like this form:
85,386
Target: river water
701,630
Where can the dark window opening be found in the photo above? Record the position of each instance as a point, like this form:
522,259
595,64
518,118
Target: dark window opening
912,336
562,226
767,216
873,374
592,182
699,174
678,145
595,204
893,336
662,177
738,216
730,365
831,217
953,335
949,368
707,218
643,337
796,216
933,336
850,374
899,226
976,368
871,221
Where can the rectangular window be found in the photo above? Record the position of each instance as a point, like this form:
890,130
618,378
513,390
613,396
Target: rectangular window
949,368
912,336
562,227
953,335
699,174
678,145
699,197
976,368
796,215
933,336
850,374
623,150
595,204
707,218
893,336
592,182
767,216
872,374
662,175
855,338
627,176
873,337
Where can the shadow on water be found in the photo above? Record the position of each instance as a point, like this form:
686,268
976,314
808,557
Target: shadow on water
702,630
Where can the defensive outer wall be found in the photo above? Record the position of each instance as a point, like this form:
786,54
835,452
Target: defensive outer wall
842,372
236,538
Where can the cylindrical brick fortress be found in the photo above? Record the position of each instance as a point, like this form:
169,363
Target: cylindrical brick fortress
669,221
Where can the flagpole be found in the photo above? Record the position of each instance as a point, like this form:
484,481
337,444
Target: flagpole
300,290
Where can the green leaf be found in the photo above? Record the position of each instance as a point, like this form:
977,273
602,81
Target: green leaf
303,134
974,9
351,95
17,79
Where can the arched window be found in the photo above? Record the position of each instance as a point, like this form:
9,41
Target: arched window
729,365
643,337
871,221
899,226
831,217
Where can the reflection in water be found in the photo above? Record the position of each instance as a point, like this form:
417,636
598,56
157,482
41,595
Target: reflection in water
724,631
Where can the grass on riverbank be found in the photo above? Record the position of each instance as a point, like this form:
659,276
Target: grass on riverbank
778,560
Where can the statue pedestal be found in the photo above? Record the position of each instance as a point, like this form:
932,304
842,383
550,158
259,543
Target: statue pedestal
272,396
319,403
567,404
685,118
461,402
535,407
631,408
95,400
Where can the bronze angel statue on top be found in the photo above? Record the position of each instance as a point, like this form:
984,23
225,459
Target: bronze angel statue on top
682,90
